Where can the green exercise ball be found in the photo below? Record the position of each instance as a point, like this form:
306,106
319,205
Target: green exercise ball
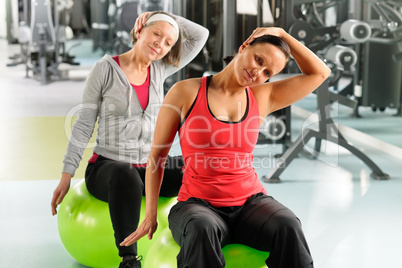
240,256
164,205
86,231
164,249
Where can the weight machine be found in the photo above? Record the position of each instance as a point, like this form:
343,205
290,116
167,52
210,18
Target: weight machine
43,40
327,130
352,45
112,21
381,78
337,45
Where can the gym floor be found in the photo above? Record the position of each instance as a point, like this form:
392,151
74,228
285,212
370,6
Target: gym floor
350,220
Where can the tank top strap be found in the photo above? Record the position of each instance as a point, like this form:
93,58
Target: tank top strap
202,94
200,103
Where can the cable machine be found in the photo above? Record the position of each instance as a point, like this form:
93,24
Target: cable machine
308,26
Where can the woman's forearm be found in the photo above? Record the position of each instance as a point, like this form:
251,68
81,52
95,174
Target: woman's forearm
194,32
165,131
194,41
153,181
308,62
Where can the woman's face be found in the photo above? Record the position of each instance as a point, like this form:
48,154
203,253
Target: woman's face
157,39
257,63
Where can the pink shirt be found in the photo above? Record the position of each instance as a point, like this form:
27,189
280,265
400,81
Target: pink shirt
142,91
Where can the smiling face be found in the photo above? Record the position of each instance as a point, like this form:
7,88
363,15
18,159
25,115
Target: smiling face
257,63
156,40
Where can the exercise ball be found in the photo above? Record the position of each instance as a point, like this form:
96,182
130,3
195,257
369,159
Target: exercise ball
164,205
239,256
86,231
163,251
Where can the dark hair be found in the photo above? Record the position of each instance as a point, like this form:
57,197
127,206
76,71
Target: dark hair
173,56
270,39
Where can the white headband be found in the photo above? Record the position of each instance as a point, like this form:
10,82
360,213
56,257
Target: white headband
166,18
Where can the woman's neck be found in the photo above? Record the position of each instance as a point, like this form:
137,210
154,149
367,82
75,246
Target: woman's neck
226,82
132,60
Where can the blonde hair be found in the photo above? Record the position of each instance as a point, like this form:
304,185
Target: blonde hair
173,56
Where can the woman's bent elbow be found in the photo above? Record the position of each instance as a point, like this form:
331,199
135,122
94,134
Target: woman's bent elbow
326,72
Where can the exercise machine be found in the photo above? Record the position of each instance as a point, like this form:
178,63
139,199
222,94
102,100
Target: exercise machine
327,130
363,34
43,40
337,45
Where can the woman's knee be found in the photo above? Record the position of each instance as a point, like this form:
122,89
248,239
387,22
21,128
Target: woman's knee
199,227
285,221
200,230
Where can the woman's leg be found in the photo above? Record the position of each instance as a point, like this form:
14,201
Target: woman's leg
120,185
265,224
200,232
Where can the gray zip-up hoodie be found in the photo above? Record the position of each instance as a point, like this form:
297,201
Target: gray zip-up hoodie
124,129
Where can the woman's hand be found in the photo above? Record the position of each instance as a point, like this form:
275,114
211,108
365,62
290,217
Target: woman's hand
148,226
60,192
140,21
258,32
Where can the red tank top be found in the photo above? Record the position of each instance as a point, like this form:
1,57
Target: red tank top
219,155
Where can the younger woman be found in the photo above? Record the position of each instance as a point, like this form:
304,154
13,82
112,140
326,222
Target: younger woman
221,200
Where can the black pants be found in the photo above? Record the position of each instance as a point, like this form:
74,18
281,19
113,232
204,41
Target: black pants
122,186
261,223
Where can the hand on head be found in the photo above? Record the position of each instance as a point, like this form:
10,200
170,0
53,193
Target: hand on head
140,22
258,32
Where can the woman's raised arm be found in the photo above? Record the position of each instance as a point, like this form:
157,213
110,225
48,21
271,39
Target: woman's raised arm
288,91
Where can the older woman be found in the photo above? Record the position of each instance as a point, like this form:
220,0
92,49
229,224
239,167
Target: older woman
124,94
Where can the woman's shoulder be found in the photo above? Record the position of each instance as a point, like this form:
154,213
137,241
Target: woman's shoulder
105,62
185,90
187,86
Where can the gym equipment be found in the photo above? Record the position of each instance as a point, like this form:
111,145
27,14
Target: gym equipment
86,230
343,57
126,15
371,29
355,31
327,130
101,24
154,5
275,129
43,38
339,45
42,41
382,69
112,22
164,250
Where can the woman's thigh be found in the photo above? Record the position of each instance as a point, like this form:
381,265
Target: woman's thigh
196,217
107,175
259,221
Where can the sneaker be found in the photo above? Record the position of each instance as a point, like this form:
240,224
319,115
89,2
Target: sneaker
131,262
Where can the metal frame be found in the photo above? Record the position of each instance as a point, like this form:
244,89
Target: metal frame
327,131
